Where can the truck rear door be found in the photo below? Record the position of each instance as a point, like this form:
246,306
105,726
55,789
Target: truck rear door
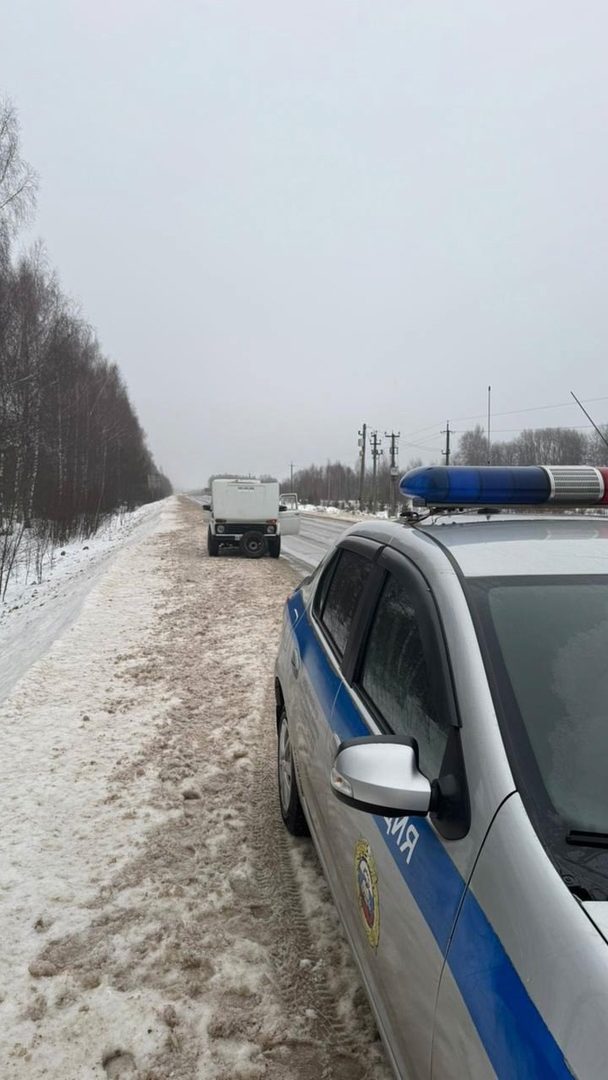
289,514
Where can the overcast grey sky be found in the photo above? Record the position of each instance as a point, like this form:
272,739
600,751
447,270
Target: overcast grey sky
286,218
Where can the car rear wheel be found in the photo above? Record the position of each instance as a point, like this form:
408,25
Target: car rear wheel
289,798
253,544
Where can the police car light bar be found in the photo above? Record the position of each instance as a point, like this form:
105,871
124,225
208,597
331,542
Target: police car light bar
495,485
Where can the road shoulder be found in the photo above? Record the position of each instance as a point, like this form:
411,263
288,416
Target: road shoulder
160,921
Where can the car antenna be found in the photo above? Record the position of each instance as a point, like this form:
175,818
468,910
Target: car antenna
602,437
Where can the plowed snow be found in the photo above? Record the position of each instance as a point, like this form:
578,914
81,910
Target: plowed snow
156,920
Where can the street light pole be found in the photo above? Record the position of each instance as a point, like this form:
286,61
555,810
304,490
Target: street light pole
489,440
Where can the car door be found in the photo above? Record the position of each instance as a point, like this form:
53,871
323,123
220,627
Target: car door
393,879
289,514
322,636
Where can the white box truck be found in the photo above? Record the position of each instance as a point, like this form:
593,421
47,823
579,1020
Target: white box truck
250,515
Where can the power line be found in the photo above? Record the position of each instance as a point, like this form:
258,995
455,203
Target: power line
506,412
422,446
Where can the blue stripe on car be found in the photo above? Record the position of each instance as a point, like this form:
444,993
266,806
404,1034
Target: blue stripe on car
514,1034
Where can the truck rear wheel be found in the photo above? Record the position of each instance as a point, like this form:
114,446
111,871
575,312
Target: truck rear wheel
213,547
274,546
253,544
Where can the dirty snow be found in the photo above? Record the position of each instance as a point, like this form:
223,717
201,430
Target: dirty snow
155,918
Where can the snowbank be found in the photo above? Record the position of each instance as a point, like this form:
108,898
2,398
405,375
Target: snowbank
35,613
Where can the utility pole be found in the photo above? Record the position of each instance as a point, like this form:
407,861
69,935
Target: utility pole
446,452
291,473
376,452
362,448
394,437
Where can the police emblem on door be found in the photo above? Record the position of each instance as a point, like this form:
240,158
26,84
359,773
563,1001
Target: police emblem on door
366,880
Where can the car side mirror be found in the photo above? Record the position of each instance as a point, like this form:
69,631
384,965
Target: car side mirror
379,774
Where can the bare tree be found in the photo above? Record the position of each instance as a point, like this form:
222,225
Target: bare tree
18,181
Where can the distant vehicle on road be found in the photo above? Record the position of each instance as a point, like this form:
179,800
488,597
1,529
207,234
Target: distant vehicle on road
441,712
249,515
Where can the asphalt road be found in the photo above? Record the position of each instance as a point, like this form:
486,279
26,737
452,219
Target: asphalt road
307,549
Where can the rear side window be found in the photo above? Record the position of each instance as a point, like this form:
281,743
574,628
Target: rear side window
338,601
396,680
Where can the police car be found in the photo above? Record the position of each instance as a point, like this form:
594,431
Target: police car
442,717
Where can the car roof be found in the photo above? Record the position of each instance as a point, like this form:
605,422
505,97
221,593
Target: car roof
509,545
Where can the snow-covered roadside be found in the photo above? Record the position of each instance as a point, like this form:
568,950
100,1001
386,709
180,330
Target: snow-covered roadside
34,614
155,919
68,726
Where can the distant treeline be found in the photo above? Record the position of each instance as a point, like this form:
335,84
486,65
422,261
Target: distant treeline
71,447
535,446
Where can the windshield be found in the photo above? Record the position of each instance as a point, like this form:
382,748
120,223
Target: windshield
546,644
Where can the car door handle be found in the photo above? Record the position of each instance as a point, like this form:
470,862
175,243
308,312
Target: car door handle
295,662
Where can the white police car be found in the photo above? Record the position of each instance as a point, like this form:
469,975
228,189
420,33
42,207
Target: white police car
442,713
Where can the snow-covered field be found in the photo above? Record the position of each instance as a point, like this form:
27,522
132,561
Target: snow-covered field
156,920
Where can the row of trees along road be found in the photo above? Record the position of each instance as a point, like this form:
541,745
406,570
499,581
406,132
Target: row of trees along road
72,450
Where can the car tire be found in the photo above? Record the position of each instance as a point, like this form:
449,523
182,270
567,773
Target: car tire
289,797
213,547
253,544
274,546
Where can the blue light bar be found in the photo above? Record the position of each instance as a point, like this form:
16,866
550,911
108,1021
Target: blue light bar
517,485
491,485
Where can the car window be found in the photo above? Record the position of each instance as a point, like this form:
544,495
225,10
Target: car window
338,605
326,578
395,677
